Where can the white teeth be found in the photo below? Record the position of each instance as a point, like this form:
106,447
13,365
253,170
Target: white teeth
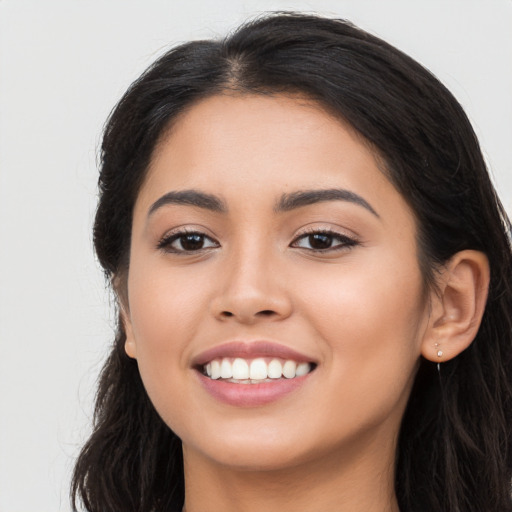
302,369
275,369
255,370
226,369
258,369
240,369
215,369
289,369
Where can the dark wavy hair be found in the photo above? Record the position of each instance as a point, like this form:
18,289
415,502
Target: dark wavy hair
454,450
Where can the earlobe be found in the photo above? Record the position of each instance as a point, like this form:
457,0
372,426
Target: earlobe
129,346
457,307
119,285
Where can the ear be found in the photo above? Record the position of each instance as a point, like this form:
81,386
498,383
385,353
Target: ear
129,345
119,286
457,307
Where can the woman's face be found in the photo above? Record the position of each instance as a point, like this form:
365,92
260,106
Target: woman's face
266,232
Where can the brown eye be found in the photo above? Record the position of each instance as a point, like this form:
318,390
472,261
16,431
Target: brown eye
186,242
320,241
323,241
192,242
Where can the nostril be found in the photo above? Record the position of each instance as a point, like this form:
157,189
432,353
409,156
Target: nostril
266,312
248,316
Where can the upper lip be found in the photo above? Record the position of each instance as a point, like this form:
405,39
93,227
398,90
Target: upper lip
250,350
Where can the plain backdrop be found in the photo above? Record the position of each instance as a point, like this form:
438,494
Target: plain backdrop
63,65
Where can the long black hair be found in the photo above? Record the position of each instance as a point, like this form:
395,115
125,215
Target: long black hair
454,451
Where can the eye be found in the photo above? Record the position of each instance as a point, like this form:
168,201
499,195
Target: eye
322,241
186,242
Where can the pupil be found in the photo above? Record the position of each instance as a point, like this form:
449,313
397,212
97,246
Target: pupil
192,242
319,241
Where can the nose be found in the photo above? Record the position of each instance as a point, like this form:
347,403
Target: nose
252,289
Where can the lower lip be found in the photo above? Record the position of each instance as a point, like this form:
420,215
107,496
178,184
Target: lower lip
251,395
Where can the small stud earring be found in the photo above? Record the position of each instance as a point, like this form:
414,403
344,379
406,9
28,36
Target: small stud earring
439,354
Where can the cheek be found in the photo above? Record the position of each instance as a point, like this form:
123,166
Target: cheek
164,306
370,327
370,315
165,312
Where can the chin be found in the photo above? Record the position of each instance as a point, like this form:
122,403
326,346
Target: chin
255,458
248,450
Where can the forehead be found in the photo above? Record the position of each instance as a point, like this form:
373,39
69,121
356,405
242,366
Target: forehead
259,146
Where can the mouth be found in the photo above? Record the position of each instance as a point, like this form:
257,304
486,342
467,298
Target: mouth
252,374
255,371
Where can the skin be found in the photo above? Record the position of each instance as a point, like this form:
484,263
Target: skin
358,310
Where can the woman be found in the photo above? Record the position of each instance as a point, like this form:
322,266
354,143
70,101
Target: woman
313,273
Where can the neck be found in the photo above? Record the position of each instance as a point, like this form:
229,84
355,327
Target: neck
360,483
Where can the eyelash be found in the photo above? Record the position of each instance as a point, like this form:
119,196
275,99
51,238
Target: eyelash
345,242
166,242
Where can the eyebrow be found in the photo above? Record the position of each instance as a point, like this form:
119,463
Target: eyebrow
302,198
286,203
190,198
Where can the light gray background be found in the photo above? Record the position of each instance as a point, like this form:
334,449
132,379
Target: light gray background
63,65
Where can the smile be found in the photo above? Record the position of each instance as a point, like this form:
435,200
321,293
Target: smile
254,371
253,374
